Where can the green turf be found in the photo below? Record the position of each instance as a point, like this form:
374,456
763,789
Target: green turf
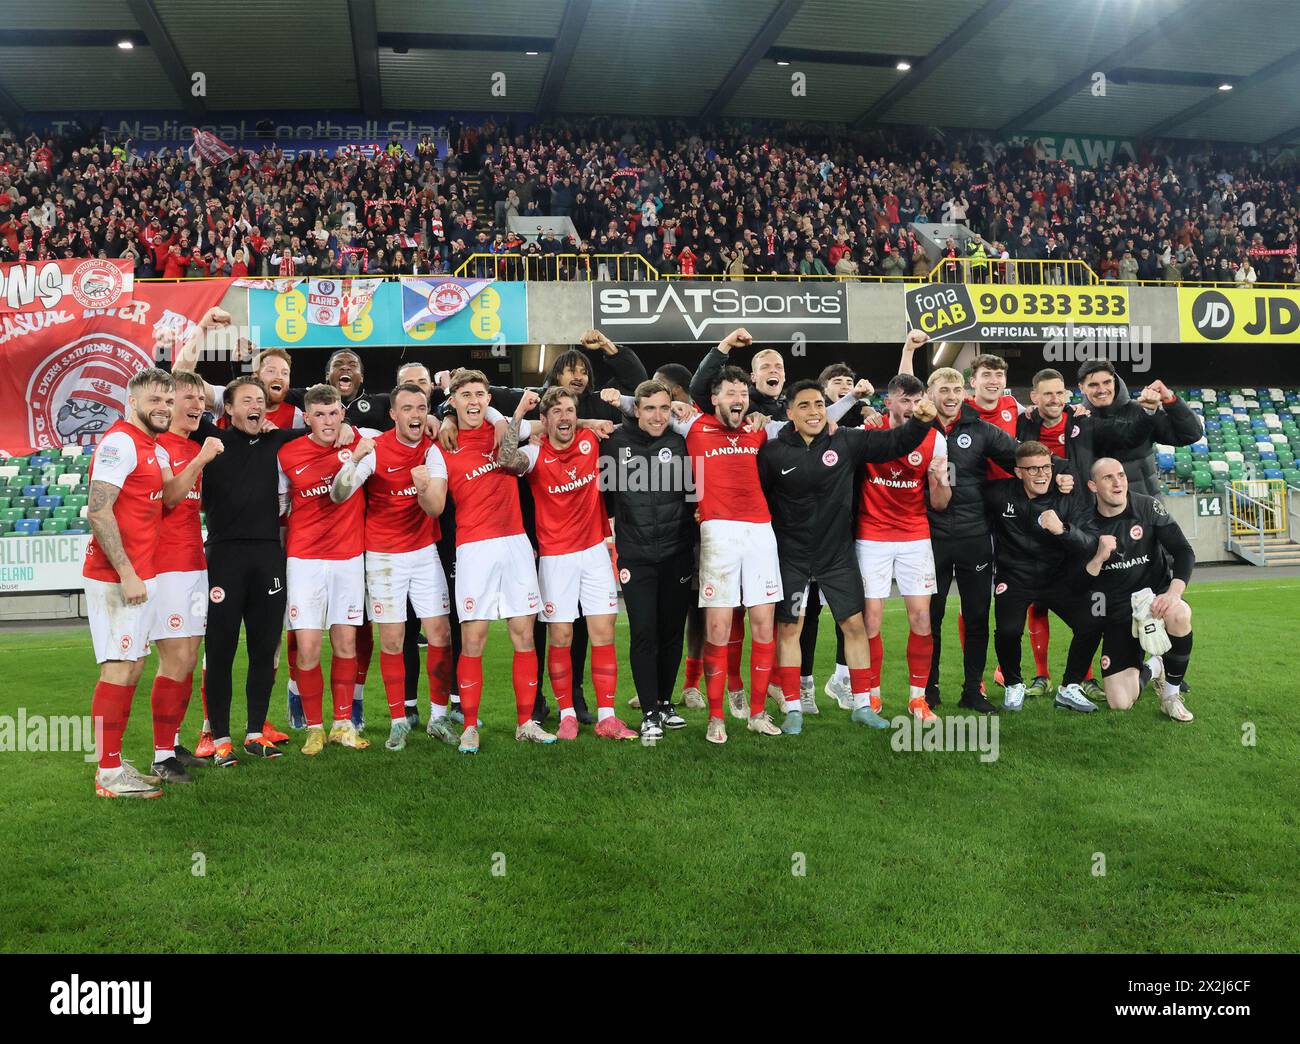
686,846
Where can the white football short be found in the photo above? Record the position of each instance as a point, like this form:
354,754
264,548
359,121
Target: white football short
910,562
496,579
324,592
394,576
119,631
182,605
738,564
585,577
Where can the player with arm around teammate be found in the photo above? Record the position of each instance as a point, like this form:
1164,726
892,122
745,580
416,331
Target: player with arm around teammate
404,477
808,474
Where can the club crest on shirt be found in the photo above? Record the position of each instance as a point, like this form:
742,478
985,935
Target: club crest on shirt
1006,415
1135,532
1000,589
665,454
830,458
584,446
914,458
963,440
344,455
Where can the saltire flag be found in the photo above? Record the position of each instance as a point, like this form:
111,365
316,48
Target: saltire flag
212,148
436,298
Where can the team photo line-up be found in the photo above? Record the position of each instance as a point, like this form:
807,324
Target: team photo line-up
730,493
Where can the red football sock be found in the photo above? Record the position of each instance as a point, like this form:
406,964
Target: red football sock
694,672
735,648
761,655
920,647
343,680
1040,630
604,674
167,699
523,674
187,685
311,687
961,630
291,656
860,679
789,682
437,661
559,666
469,683
365,651
392,668
110,708
876,647
1088,676
715,676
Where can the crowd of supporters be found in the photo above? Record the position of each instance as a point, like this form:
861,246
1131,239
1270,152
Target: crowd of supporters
719,201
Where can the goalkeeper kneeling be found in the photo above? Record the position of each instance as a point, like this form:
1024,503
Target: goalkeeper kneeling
1142,566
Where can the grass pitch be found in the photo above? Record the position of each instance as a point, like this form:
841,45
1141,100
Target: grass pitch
684,846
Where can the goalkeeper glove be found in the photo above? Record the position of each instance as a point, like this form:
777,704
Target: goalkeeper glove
1149,631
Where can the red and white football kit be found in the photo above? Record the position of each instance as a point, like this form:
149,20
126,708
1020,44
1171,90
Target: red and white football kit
893,532
1004,415
573,564
132,460
738,557
401,559
496,577
326,576
1053,437
181,604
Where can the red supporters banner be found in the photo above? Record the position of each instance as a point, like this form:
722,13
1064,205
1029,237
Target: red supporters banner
212,148
64,371
77,283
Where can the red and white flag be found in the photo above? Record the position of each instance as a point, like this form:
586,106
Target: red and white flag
211,148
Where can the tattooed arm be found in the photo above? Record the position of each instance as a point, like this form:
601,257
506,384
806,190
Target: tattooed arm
509,456
103,524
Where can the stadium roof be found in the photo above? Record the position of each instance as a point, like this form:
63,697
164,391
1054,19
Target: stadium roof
1004,65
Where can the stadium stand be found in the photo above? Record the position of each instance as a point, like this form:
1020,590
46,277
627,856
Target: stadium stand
720,201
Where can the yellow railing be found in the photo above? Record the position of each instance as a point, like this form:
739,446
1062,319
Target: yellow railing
634,267
1258,506
996,270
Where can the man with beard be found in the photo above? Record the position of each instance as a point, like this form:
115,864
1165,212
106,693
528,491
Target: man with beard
1172,421
573,568
739,564
130,483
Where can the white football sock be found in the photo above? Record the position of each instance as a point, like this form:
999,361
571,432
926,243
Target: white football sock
860,700
841,673
436,712
805,680
162,755
601,713
569,712
793,705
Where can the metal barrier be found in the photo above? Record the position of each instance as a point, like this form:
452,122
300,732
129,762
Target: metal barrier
1257,506
1012,271
583,268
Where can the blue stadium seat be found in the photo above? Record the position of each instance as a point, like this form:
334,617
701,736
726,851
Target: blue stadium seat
1273,473
34,491
49,502
27,526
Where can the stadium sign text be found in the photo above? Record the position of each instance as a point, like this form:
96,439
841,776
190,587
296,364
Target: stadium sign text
674,312
1249,316
1019,312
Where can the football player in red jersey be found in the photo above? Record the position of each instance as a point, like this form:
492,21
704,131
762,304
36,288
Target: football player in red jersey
573,565
405,480
130,482
181,615
325,573
496,577
893,541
